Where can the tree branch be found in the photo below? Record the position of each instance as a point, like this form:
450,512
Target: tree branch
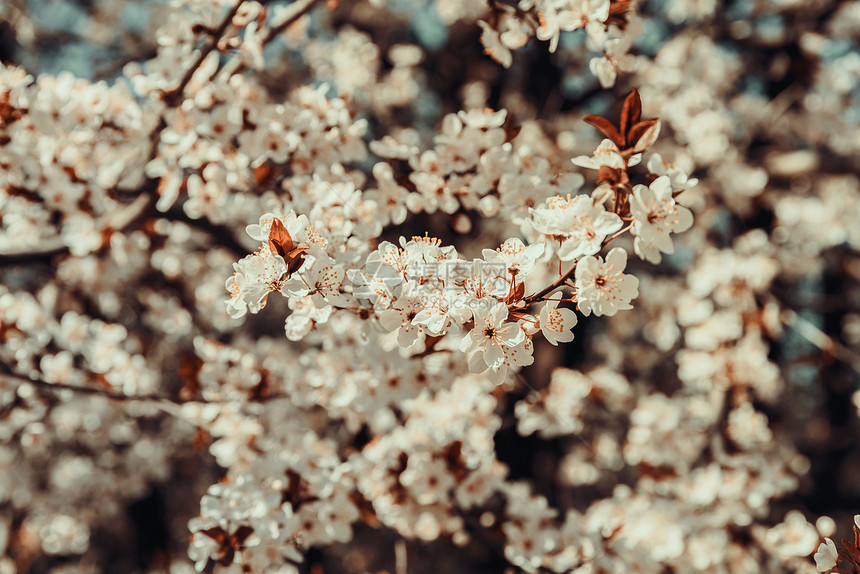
820,339
52,246
174,96
6,374
294,11
119,220
561,280
113,395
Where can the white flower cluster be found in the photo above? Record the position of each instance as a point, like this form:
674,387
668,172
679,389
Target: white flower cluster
423,291
224,141
609,26
69,178
429,270
419,290
473,165
74,350
441,459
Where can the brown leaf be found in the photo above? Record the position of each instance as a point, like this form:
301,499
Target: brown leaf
228,544
631,113
296,257
8,112
200,440
189,373
511,131
216,533
242,533
280,241
613,176
606,127
365,510
518,292
296,492
644,134
454,460
618,12
850,553
264,174
226,556
657,473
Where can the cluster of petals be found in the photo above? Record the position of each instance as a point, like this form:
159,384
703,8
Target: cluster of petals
656,217
512,25
579,224
416,290
602,287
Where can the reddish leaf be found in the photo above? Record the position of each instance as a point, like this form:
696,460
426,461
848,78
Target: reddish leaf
366,512
519,292
200,441
189,373
644,134
606,127
280,241
216,533
631,113
618,10
850,552
264,174
612,176
511,131
242,533
454,460
295,258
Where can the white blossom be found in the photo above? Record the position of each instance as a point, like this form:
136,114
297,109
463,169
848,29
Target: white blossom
602,287
495,343
657,216
577,223
825,557
555,323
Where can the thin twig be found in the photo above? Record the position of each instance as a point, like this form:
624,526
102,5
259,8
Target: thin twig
113,395
400,557
561,280
171,97
54,245
820,339
294,11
